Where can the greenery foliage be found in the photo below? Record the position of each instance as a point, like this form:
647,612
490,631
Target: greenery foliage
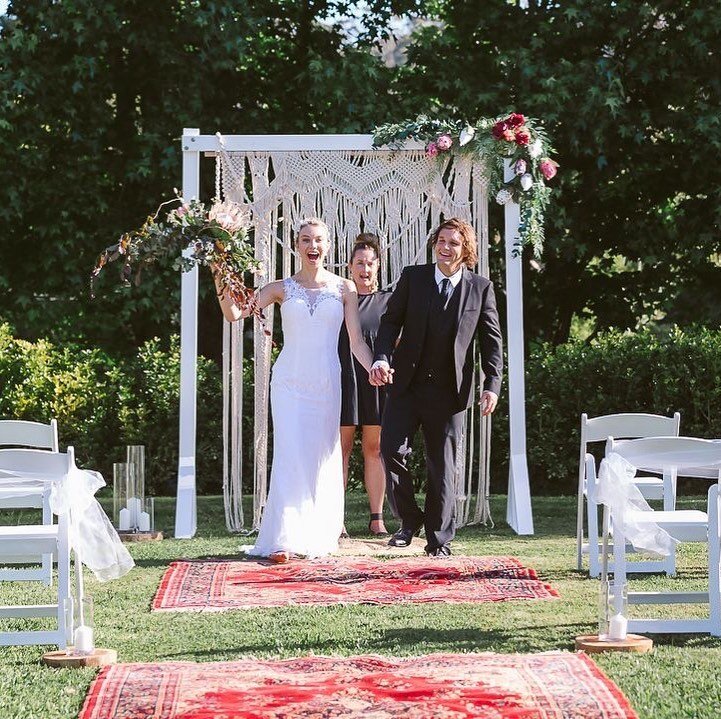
629,94
93,98
616,372
103,403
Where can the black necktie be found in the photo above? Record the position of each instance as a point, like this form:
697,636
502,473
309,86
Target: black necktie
446,290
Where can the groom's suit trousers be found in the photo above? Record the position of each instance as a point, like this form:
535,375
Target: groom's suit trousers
428,407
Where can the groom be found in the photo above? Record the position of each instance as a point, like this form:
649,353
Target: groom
437,310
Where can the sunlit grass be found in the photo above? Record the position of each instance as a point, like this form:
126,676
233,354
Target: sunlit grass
679,679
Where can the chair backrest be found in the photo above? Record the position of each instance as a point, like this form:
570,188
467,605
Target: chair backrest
19,433
665,454
35,464
628,426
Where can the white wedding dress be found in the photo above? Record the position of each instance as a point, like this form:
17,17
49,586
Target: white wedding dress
304,512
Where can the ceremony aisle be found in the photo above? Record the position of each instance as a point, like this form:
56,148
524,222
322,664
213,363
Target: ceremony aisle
677,679
216,585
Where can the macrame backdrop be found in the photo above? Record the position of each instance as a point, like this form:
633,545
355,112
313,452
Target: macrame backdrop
400,196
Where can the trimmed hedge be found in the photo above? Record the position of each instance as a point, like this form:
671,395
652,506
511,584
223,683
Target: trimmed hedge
615,372
103,403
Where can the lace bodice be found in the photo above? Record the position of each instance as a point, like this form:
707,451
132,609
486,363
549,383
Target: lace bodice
312,297
312,319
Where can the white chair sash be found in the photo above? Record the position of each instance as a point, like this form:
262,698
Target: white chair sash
92,537
617,490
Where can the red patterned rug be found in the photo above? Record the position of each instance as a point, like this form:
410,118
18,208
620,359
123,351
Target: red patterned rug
219,585
442,686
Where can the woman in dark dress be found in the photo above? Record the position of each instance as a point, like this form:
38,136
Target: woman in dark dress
361,403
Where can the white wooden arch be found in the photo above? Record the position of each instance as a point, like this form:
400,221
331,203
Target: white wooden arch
518,513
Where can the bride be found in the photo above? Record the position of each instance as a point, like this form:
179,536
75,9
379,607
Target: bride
304,512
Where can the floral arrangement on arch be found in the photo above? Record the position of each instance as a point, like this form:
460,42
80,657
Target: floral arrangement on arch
515,137
191,235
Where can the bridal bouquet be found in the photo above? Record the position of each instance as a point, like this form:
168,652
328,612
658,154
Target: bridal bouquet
216,237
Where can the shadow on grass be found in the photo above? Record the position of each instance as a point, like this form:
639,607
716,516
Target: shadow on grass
205,558
689,641
407,642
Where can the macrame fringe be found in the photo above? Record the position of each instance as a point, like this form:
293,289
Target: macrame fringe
398,195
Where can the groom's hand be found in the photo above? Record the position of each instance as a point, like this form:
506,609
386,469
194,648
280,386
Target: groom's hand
380,374
488,402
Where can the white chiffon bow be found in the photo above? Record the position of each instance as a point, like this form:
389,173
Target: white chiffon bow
92,536
617,490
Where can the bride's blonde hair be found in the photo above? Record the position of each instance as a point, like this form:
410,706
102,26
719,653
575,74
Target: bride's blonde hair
313,222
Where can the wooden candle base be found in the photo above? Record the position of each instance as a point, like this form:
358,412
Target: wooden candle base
99,658
632,643
140,536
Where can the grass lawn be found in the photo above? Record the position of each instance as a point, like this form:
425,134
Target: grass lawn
679,679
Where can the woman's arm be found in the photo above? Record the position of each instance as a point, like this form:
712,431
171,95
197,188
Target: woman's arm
266,295
352,322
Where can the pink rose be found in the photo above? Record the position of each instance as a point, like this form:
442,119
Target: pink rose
523,137
431,149
509,135
520,167
548,167
181,211
515,119
444,142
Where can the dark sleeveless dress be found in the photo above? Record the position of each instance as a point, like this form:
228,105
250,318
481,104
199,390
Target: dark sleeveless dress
361,403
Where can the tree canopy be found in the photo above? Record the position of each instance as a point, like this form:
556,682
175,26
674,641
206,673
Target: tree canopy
93,97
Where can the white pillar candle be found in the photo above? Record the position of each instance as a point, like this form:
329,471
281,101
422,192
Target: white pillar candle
617,627
144,523
135,507
84,640
124,519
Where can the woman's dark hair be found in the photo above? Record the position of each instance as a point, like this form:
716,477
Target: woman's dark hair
366,241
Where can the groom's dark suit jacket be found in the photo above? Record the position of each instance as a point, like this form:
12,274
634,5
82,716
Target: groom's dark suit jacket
477,315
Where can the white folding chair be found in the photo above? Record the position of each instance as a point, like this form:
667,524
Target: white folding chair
24,543
626,426
31,435
676,456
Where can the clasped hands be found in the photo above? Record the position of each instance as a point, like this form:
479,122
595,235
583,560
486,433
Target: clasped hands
380,374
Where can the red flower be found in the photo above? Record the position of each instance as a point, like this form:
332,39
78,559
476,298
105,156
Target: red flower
515,119
523,137
498,129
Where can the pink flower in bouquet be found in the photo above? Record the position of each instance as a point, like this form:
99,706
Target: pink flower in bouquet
432,149
444,142
509,135
229,215
548,167
515,119
520,167
523,137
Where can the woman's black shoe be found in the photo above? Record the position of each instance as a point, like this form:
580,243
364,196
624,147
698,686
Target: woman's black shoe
377,517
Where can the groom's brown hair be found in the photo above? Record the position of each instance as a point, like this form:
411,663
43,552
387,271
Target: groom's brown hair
468,238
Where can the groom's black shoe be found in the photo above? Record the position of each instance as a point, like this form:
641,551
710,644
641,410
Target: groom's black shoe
443,551
403,537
